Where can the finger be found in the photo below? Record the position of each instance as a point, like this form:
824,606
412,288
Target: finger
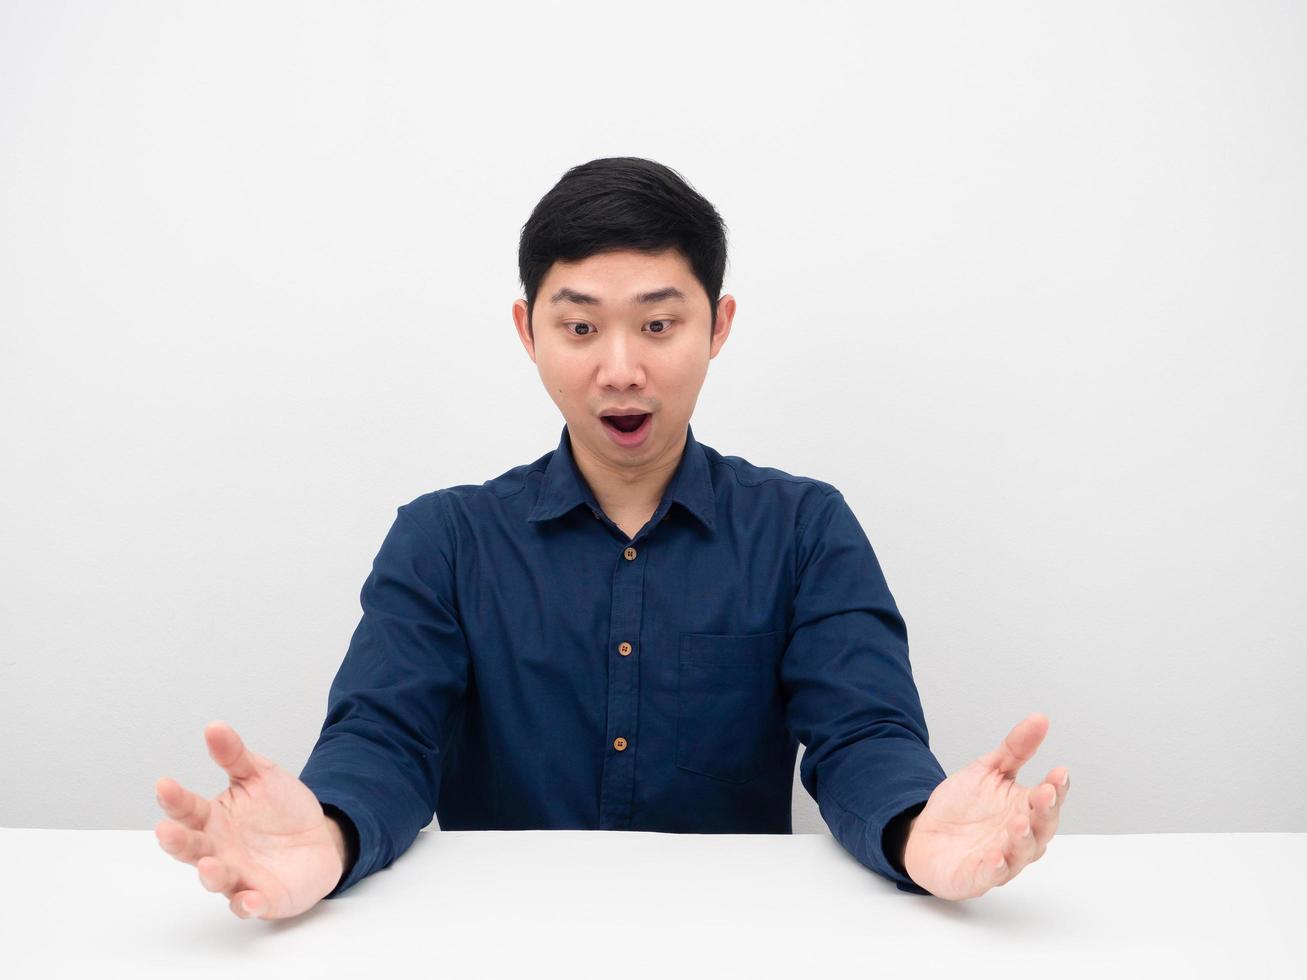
227,749
1019,745
1045,809
248,904
991,870
985,870
216,875
187,808
1060,777
183,843
1022,843
1011,849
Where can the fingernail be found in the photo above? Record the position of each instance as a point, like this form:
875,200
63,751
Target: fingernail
1066,780
1027,832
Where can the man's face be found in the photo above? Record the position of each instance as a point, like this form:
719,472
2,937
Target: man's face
610,332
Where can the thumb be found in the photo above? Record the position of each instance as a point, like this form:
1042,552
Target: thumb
228,751
1018,746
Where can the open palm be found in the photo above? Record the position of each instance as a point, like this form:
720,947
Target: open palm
980,827
264,842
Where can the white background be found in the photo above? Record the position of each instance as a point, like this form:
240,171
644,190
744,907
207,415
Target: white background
1025,281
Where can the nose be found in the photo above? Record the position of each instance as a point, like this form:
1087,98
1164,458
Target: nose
620,363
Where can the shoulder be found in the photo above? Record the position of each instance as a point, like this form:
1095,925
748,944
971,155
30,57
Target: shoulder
746,473
747,481
445,510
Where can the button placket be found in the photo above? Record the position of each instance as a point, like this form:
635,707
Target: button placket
618,781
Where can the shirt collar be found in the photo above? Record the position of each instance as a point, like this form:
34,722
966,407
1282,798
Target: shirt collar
563,486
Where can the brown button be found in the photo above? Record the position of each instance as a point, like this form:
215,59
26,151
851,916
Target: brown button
619,743
630,554
624,649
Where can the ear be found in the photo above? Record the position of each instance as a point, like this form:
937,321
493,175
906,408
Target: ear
725,314
524,330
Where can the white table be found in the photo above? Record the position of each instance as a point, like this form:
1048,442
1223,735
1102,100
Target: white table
624,904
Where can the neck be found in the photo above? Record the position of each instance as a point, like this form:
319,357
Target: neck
628,490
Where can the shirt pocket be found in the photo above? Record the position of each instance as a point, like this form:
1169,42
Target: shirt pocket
728,709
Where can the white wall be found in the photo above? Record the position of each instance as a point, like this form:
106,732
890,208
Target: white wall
1024,280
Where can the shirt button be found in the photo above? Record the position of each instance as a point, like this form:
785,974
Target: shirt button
630,554
624,649
619,743
596,514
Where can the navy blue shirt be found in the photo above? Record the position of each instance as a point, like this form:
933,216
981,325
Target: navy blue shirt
522,664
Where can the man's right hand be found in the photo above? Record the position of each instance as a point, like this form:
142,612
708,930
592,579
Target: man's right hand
264,842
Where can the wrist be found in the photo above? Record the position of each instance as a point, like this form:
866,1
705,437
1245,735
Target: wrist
897,834
344,837
337,834
903,854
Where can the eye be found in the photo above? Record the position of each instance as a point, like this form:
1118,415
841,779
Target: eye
665,325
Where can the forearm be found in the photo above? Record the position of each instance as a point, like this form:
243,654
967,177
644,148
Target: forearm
870,793
394,701
850,695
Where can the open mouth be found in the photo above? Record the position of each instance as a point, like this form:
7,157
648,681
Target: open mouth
625,423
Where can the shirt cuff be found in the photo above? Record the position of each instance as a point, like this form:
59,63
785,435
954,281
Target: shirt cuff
360,829
886,835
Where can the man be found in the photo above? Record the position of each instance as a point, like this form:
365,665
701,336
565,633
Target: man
632,632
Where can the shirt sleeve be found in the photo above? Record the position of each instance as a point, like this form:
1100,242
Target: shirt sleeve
849,693
392,704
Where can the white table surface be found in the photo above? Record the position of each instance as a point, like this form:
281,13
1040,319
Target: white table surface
626,904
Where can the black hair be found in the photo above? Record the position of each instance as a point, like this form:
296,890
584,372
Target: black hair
617,203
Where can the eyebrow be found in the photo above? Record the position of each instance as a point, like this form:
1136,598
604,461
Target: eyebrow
568,295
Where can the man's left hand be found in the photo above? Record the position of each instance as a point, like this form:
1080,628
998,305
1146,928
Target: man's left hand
980,827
